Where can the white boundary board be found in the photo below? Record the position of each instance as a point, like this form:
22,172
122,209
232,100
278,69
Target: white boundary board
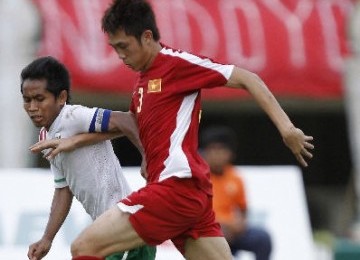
275,194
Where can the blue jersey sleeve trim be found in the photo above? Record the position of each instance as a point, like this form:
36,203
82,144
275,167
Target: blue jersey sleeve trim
92,124
105,120
100,121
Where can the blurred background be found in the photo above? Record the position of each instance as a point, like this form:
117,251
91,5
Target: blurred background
307,51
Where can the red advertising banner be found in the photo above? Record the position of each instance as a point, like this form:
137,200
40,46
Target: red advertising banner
298,47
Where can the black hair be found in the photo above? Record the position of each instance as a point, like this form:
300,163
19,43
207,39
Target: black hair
219,134
48,68
132,16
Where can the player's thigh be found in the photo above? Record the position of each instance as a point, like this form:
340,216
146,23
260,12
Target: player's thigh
207,248
110,232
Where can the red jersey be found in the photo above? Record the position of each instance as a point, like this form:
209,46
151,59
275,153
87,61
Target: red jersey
166,102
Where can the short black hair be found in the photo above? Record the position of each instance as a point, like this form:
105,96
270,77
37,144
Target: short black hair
219,134
132,16
50,69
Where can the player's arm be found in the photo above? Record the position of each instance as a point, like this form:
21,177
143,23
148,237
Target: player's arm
293,137
71,143
115,125
118,124
60,207
125,123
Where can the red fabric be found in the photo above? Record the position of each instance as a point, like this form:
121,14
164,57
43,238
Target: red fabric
298,47
168,114
172,209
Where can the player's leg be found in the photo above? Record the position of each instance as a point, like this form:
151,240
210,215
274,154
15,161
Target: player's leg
111,232
207,248
205,240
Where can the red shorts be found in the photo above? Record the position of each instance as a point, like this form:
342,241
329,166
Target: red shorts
172,209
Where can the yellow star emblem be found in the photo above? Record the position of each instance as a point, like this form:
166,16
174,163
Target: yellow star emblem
154,85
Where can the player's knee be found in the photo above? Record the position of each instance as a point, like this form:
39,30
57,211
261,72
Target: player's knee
78,247
75,248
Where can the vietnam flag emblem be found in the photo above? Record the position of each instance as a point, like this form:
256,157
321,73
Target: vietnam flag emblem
154,85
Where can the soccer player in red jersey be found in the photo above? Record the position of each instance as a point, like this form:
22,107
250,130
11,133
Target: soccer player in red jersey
176,202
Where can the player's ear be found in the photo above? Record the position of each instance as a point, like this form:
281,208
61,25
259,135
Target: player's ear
63,97
147,36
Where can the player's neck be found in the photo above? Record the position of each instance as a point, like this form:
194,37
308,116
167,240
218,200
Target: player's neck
154,50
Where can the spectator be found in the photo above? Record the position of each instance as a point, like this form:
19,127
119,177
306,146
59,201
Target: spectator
229,197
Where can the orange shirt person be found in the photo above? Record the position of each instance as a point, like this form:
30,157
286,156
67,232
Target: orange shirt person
229,195
229,200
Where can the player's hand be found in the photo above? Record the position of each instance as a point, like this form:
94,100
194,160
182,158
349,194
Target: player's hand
55,145
299,144
39,249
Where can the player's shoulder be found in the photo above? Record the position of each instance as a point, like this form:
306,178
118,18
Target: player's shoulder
187,57
175,52
76,108
73,107
76,115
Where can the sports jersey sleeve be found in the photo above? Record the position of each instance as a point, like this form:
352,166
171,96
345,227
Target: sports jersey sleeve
80,119
100,121
59,178
196,72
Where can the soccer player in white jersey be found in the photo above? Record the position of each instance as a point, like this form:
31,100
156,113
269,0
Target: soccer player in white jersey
176,203
93,173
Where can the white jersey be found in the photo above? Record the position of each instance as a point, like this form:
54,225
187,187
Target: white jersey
93,173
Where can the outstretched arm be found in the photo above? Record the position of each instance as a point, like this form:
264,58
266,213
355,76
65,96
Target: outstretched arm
294,138
60,207
120,123
70,143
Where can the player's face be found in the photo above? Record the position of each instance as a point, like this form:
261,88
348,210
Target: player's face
40,104
134,54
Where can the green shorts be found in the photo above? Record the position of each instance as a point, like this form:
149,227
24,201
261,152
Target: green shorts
144,252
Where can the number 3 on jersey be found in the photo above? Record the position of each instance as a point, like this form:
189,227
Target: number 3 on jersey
141,95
